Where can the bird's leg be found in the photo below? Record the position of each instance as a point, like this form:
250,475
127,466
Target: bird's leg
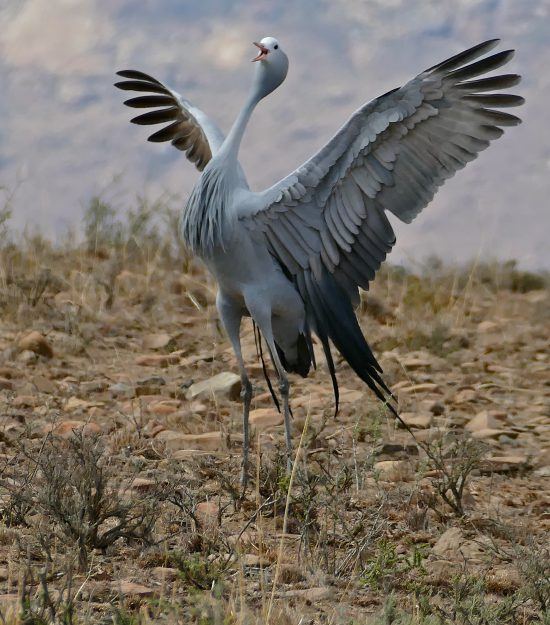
246,395
231,316
284,388
263,317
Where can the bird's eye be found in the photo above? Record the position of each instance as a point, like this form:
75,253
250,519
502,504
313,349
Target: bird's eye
275,47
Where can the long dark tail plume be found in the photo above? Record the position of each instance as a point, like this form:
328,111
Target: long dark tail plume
321,331
333,318
309,343
260,352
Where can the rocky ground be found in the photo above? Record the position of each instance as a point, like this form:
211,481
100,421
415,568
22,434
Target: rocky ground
120,441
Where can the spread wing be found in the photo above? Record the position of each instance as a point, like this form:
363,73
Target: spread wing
326,222
189,130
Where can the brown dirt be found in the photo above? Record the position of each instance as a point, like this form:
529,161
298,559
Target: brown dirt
467,355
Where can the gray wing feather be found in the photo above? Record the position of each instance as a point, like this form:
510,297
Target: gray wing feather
392,155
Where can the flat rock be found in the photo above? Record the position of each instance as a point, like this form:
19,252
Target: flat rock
449,542
504,464
416,362
315,399
472,550
164,407
44,385
465,395
486,433
94,386
10,373
152,380
153,428
226,384
165,573
125,587
27,357
75,403
441,571
159,360
252,560
350,395
263,418
143,484
198,408
156,341
6,385
25,401
120,389
208,512
309,595
147,391
416,421
188,361
429,435
65,429
36,342
424,387
263,398
394,470
486,327
148,400
187,454
503,579
486,420
174,441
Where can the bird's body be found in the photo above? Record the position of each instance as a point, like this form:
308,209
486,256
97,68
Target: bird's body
293,257
251,282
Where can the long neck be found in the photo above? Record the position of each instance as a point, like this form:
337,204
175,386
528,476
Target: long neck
233,140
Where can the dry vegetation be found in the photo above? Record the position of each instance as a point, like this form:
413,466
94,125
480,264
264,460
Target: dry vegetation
119,496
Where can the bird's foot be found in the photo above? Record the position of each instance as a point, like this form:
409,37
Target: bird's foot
244,477
288,463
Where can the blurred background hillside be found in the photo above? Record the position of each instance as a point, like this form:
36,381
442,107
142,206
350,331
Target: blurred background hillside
65,137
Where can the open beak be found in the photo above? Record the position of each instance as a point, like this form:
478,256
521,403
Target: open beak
263,52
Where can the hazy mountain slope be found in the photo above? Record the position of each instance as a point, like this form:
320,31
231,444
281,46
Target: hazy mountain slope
65,134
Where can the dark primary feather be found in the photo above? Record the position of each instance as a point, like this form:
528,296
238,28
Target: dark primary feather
136,75
157,117
138,85
464,57
165,134
481,67
488,84
150,101
495,99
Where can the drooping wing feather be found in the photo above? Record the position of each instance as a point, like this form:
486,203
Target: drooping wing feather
189,130
326,222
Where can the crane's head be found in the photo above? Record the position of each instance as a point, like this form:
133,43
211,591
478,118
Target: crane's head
272,65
